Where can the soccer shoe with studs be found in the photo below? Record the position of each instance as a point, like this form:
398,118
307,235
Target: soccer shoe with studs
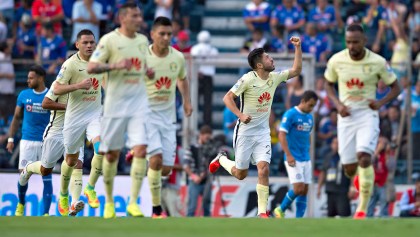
91,197
134,210
76,207
359,215
263,215
161,216
20,208
63,205
109,211
215,164
278,213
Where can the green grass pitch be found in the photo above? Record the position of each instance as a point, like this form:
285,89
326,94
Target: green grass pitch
203,227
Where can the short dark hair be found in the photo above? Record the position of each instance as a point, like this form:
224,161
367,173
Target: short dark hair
255,57
206,129
355,27
39,70
309,94
161,21
125,6
84,32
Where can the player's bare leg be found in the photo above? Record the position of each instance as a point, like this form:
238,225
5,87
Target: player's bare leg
137,173
110,164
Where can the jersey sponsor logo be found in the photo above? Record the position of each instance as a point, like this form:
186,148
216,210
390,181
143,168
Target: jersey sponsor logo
264,97
95,83
305,127
81,70
89,99
136,64
163,82
355,82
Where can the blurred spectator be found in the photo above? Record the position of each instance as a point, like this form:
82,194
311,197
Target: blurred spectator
47,11
410,200
294,94
323,16
326,133
7,11
290,15
276,156
401,50
3,29
376,20
229,122
68,9
52,50
277,40
164,8
204,50
337,184
415,119
257,40
380,165
324,104
183,44
257,15
26,40
390,125
86,15
106,16
315,43
413,19
176,28
197,159
171,201
24,9
7,81
356,9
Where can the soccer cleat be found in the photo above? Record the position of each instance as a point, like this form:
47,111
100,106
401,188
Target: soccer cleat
25,175
20,208
109,211
161,216
360,215
76,207
46,214
91,196
263,215
215,164
278,213
63,205
134,210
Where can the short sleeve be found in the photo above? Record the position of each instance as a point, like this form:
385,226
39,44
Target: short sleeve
330,73
280,77
20,99
50,94
102,51
286,122
64,75
240,87
182,71
386,73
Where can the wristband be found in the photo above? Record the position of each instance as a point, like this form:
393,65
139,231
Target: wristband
10,139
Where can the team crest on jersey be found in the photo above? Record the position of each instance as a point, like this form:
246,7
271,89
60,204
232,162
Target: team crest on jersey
355,82
270,82
29,108
163,82
265,97
173,66
142,48
367,69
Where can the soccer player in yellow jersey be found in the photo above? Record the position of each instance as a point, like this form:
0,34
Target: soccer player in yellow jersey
357,71
169,67
122,53
251,139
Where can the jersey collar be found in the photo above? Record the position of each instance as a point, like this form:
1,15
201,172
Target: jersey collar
39,93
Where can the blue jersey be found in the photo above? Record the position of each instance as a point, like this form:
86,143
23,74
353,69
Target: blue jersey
35,118
298,126
252,10
53,49
315,44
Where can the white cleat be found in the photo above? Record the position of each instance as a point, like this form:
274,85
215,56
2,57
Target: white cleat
76,207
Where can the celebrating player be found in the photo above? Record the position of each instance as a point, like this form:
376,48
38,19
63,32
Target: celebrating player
252,132
122,53
82,117
357,71
35,119
295,139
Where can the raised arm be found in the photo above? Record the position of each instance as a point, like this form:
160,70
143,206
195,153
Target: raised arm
297,63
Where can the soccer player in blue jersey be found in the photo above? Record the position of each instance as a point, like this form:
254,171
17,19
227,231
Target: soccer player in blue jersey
295,139
35,119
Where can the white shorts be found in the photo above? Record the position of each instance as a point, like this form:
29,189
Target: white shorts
358,132
251,149
113,131
74,137
29,151
162,140
301,173
53,150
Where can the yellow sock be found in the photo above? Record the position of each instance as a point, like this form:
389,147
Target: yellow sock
155,184
109,170
227,164
96,169
262,193
137,173
366,181
66,172
34,168
76,184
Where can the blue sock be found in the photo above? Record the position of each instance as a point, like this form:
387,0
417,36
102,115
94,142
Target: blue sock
22,193
47,194
287,200
300,206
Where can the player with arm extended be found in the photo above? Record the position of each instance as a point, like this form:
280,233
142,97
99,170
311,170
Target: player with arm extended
295,139
251,140
357,71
